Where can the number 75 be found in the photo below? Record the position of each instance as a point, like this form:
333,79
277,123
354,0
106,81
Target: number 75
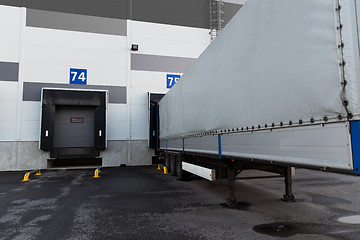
173,80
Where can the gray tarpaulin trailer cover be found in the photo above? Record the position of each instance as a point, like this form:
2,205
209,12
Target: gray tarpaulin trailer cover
281,83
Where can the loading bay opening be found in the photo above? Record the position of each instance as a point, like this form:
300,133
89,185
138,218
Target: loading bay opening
73,126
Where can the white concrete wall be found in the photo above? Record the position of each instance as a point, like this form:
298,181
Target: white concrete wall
10,24
161,40
10,34
46,56
49,54
168,40
8,113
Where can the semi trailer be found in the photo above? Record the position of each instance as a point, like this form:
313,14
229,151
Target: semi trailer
278,88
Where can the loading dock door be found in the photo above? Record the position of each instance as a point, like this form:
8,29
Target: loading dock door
73,123
154,99
74,127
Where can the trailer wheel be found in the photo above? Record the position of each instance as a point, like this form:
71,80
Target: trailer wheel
172,165
167,161
181,174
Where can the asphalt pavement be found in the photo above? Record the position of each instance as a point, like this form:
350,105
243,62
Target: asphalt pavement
144,203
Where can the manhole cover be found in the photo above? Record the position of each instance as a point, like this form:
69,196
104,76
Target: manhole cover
355,219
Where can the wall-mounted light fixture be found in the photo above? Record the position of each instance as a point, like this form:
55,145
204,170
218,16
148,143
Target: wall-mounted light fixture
134,47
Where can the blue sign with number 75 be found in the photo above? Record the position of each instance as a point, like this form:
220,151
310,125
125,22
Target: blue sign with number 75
78,76
171,79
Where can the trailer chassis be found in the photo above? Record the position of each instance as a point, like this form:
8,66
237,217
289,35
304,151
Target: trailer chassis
227,167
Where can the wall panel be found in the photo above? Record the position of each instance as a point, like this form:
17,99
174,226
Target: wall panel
117,126
138,96
116,112
30,111
139,130
30,121
10,22
74,57
117,130
149,80
10,15
194,13
9,71
7,130
8,111
8,91
111,9
9,52
139,112
75,40
168,32
30,130
75,22
157,63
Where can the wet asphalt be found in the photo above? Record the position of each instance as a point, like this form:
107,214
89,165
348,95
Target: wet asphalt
143,203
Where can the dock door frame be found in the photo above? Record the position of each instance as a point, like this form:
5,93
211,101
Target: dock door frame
51,98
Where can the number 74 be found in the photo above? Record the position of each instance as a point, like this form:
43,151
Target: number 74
81,76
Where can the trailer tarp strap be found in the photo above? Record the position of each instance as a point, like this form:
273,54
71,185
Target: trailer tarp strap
219,141
183,142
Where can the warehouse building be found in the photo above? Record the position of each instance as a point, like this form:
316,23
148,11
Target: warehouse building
76,76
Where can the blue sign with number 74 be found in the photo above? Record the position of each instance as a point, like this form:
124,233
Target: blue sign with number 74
78,76
171,79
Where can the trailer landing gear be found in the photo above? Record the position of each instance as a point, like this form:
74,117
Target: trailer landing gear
288,196
231,201
180,173
233,168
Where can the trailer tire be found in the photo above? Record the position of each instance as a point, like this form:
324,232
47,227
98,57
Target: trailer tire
181,174
167,161
172,165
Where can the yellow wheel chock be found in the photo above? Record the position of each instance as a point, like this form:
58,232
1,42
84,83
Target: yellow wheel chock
96,173
26,177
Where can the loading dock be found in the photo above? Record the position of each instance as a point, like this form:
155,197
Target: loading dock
153,100
73,124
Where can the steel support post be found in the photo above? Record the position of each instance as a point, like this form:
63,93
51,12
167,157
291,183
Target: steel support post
231,201
288,196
